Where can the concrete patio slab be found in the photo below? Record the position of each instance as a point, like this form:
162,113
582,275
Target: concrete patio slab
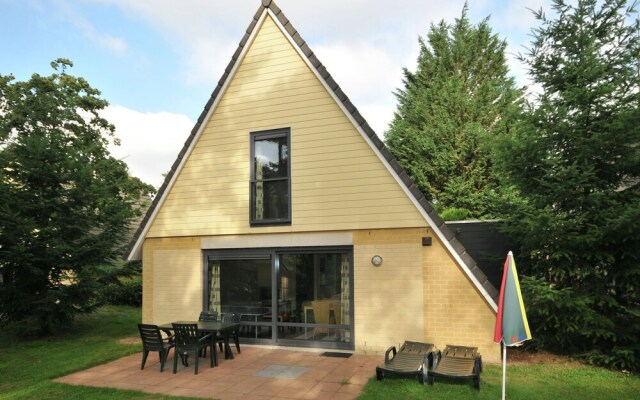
258,372
282,371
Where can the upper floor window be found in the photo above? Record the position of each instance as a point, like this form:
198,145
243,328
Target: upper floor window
270,177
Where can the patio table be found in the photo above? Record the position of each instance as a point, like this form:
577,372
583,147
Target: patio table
212,327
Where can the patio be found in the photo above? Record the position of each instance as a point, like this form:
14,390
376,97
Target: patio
258,372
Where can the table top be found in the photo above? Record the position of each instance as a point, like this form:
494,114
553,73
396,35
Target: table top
205,326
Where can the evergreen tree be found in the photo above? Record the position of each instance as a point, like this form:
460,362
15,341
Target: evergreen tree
459,98
65,203
576,162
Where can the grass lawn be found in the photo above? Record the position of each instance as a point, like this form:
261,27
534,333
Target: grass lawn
28,367
550,380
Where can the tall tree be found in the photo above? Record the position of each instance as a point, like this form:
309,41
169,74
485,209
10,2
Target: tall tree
576,162
448,111
65,203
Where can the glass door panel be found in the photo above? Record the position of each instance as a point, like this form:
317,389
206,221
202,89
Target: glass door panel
243,287
314,298
285,296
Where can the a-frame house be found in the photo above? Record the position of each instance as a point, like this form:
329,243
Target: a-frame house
285,208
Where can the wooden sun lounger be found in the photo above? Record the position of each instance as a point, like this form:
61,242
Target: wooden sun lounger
414,358
458,362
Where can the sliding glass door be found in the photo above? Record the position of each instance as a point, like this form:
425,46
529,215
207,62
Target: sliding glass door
314,302
297,297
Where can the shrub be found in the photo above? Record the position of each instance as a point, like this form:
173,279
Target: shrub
567,322
126,292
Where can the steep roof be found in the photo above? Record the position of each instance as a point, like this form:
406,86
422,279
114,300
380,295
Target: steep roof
446,235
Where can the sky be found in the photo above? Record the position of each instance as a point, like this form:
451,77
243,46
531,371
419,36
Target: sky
157,61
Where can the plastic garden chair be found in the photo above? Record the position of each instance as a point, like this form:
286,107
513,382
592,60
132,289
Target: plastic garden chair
152,341
188,339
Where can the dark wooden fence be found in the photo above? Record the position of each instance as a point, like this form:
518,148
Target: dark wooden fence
485,244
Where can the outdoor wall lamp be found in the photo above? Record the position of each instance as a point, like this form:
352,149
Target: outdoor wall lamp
376,260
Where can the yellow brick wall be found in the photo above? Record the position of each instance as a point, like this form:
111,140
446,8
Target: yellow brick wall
388,300
455,312
171,279
418,293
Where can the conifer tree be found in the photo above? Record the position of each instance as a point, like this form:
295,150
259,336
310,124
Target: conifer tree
576,162
459,98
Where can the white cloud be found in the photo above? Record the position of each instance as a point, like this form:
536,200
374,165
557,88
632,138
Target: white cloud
518,16
206,33
369,91
69,13
113,44
150,142
205,61
378,116
347,61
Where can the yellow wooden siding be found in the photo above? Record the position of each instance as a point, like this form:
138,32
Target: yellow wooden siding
337,180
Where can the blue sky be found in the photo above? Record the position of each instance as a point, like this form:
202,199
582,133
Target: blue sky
157,61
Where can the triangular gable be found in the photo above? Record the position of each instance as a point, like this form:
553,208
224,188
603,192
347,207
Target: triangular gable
269,8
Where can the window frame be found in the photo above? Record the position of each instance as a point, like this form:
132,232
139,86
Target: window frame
274,253
254,136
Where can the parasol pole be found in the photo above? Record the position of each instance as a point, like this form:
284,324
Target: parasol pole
504,371
511,318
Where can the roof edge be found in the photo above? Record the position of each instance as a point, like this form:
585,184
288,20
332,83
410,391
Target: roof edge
463,259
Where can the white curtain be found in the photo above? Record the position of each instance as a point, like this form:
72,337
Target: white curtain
214,289
259,191
345,304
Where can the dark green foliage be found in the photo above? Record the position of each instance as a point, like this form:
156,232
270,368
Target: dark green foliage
576,162
454,214
122,285
65,203
127,292
459,98
562,317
